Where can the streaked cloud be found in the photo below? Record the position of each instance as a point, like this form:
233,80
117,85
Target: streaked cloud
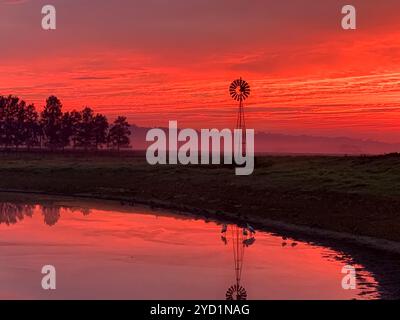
159,60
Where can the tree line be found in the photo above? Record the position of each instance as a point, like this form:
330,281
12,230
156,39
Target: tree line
22,126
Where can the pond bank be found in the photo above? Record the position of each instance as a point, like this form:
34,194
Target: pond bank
354,198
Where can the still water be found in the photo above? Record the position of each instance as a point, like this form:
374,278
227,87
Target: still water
110,251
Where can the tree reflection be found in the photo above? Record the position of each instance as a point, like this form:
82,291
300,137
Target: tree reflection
51,215
12,213
84,211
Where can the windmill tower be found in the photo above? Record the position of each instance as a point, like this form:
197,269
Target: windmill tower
240,91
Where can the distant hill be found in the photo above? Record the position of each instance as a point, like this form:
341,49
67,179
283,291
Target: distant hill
292,144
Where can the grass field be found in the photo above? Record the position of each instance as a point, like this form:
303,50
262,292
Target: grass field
359,195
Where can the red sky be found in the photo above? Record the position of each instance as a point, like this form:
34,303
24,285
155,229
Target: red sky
160,60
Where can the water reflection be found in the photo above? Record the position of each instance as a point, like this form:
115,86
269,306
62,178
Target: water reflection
11,213
241,238
137,253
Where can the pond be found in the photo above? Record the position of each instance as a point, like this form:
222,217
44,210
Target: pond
104,250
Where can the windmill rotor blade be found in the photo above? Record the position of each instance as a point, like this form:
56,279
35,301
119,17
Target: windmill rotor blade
239,89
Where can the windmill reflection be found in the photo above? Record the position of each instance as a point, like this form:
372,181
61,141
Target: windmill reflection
241,238
12,213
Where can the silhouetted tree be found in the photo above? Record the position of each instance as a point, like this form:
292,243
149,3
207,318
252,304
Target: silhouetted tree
85,134
70,123
12,121
51,121
118,135
6,118
66,130
20,124
32,128
2,113
100,128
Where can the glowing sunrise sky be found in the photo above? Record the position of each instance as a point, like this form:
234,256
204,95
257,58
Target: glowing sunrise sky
160,60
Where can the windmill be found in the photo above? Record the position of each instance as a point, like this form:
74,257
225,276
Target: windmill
241,238
240,91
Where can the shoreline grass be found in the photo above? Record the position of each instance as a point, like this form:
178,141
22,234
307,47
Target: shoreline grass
356,195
